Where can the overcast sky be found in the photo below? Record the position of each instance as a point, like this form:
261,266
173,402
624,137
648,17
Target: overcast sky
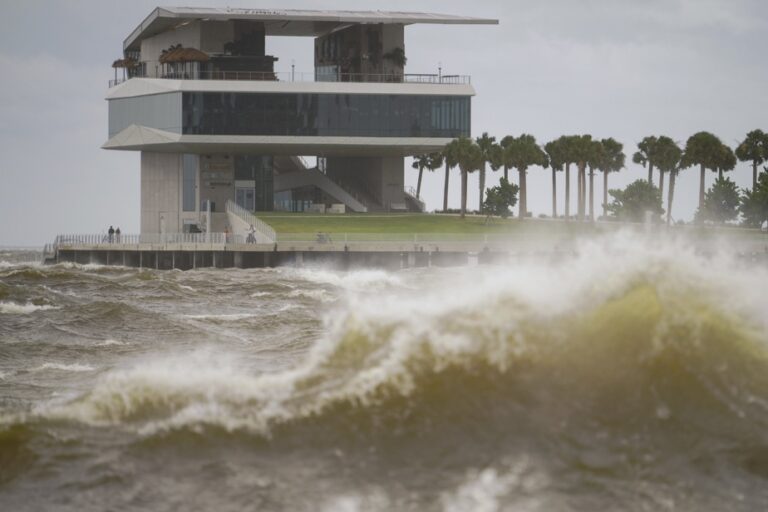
612,68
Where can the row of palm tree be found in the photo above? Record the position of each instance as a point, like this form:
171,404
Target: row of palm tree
588,155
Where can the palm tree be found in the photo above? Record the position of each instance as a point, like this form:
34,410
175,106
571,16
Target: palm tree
612,160
429,161
726,160
701,149
506,141
566,148
522,153
581,151
497,159
644,155
667,157
469,158
663,144
554,151
754,149
485,143
596,156
420,162
451,160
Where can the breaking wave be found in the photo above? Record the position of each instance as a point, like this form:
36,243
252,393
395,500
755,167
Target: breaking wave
624,339
12,308
357,280
63,367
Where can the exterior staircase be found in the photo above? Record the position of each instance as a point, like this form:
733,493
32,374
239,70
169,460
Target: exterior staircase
414,203
244,222
313,177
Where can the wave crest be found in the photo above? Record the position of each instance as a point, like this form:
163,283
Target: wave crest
620,338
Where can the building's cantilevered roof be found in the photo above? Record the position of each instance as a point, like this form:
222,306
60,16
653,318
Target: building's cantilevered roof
287,22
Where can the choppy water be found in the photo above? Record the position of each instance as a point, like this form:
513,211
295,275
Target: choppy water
633,377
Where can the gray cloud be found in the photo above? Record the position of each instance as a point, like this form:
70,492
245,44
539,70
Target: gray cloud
624,69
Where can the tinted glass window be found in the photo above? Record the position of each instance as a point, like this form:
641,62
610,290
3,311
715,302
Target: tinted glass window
352,115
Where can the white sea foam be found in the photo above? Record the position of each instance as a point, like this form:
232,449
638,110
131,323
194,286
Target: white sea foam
188,288
318,294
74,367
12,308
260,294
223,317
354,280
110,342
490,490
375,501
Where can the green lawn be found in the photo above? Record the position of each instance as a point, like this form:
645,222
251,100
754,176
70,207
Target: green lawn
414,223
403,224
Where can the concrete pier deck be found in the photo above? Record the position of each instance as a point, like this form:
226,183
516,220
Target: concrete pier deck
346,252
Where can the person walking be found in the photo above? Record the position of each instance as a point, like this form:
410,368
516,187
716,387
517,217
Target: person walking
117,235
111,234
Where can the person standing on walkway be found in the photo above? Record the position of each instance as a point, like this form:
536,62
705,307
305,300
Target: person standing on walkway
111,234
117,235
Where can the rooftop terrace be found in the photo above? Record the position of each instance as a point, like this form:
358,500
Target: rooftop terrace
287,22
290,76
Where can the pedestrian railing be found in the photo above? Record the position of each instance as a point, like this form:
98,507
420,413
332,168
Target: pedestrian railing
202,240
399,238
249,218
146,238
296,76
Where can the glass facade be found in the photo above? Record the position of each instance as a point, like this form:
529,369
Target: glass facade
258,170
330,115
162,111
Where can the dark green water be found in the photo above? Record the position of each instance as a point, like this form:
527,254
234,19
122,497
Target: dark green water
630,378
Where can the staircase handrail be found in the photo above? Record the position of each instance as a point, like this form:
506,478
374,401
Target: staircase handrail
249,218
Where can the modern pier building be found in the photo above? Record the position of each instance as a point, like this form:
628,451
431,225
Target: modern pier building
217,124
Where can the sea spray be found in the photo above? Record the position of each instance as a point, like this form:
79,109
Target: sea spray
611,320
628,375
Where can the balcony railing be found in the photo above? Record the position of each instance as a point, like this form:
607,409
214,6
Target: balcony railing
289,76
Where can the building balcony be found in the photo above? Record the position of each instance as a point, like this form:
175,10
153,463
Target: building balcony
291,76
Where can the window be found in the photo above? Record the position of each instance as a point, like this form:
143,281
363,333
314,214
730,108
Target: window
330,115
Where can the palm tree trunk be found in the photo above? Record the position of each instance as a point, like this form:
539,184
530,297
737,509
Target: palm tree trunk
482,188
605,193
592,195
578,191
702,178
719,174
650,172
523,195
418,185
567,191
661,183
554,193
445,188
463,193
584,193
582,186
506,173
671,196
754,175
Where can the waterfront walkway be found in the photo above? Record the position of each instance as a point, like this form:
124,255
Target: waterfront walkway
344,250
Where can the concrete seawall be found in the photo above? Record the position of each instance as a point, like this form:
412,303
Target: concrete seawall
168,258
382,254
